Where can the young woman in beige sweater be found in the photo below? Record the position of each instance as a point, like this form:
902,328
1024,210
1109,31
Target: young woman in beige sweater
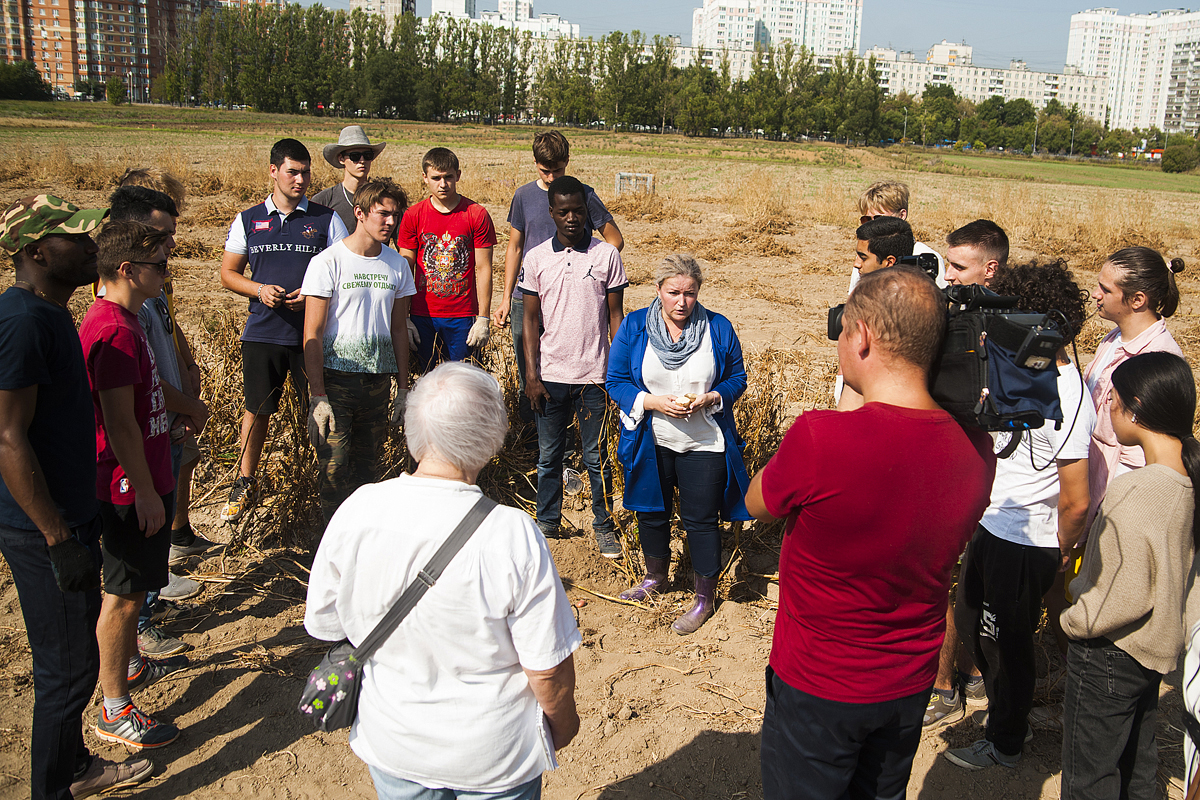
1126,627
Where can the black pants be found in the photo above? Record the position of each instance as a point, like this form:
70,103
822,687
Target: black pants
700,477
997,612
1109,716
819,749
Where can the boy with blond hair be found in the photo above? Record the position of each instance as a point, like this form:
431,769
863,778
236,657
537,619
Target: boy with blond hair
890,199
530,225
448,239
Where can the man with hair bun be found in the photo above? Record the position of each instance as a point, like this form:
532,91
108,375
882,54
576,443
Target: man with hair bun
869,544
355,343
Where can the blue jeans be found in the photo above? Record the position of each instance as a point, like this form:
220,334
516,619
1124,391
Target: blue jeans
700,478
442,339
61,627
820,749
1110,712
588,404
389,787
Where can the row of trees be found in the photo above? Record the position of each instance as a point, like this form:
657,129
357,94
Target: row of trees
318,60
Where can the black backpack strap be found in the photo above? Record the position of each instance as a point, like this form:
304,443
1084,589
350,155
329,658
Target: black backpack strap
426,578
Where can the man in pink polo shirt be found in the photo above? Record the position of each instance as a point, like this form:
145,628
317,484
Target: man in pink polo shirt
576,285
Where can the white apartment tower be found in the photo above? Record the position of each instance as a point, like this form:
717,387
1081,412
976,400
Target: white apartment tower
516,10
1149,61
453,8
825,27
389,8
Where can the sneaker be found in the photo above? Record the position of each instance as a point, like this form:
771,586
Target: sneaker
981,717
607,542
180,588
199,546
552,533
163,610
135,729
154,670
103,776
153,643
979,755
975,692
1047,718
241,497
941,711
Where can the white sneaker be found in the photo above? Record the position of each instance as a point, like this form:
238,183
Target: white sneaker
180,588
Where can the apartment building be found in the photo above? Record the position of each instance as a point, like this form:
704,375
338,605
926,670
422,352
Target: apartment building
1148,60
825,27
948,64
389,8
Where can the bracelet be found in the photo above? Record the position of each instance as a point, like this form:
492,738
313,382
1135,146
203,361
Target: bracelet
259,292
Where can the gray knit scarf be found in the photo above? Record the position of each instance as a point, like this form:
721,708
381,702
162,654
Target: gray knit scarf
674,355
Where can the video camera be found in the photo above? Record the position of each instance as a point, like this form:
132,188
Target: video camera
994,370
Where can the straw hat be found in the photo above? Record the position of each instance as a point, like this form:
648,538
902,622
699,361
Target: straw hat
352,137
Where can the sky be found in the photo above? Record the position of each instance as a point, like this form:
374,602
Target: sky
1033,30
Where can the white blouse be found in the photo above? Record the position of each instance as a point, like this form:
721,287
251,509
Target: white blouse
697,432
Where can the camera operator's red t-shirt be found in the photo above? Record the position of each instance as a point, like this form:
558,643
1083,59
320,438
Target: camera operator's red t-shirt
880,503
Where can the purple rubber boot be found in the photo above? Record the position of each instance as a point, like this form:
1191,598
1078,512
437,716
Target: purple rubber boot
702,608
656,574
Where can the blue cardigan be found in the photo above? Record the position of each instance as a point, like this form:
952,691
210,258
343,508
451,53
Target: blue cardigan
643,492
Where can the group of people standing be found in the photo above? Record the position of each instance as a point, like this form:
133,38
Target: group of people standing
1094,517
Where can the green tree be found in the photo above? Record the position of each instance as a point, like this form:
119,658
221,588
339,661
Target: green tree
115,90
1179,158
22,81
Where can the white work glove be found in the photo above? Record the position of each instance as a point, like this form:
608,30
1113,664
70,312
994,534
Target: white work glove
414,338
479,333
398,403
320,418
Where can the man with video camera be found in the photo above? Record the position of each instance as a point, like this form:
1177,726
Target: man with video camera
870,541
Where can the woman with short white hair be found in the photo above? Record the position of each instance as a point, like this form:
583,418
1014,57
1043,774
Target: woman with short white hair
474,690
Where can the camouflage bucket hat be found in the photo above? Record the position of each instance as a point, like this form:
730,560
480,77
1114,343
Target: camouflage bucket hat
31,218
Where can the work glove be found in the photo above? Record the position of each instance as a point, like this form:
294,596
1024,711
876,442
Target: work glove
75,570
414,338
320,418
398,403
479,333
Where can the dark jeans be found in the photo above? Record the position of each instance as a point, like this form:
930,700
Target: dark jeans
825,750
516,319
152,596
700,478
997,612
349,457
1109,715
61,627
588,404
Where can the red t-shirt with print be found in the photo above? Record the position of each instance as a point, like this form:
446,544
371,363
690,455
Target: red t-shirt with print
117,354
445,245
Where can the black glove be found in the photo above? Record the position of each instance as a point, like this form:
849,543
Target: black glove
74,566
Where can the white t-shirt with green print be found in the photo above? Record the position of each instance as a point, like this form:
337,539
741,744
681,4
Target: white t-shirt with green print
361,291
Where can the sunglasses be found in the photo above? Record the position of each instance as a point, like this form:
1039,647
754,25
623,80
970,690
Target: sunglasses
161,266
360,155
865,218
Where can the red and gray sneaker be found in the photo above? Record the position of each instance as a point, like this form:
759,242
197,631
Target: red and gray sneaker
135,729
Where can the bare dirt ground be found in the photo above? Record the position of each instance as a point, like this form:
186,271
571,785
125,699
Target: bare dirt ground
663,716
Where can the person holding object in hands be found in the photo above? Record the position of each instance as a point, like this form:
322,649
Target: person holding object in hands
473,692
356,312
676,439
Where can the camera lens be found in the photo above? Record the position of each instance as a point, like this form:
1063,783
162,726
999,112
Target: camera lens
834,324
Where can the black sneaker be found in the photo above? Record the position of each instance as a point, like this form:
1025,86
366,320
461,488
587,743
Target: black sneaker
241,497
154,670
135,729
607,542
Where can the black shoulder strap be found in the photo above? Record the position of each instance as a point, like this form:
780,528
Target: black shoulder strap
425,578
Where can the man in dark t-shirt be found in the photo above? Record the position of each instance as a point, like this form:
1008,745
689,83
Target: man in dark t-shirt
874,529
49,524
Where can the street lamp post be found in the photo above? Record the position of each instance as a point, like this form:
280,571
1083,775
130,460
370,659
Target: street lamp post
1037,123
905,135
1072,154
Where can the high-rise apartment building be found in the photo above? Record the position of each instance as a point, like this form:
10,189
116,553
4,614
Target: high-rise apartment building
1148,60
516,10
948,64
453,8
389,8
825,27
72,40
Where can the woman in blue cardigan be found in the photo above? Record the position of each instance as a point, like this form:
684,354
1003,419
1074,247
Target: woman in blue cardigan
675,370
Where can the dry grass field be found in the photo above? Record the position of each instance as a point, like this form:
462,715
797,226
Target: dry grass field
662,716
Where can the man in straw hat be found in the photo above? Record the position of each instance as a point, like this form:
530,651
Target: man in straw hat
353,154
49,522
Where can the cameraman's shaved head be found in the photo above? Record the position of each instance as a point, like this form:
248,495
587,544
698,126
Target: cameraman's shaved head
905,311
